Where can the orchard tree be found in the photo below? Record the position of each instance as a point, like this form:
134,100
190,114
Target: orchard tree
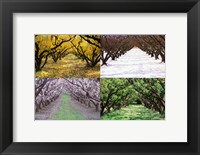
85,91
46,45
115,94
60,53
92,39
114,46
153,45
118,93
151,92
87,48
46,91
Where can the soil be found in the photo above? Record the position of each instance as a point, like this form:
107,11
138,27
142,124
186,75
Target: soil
48,111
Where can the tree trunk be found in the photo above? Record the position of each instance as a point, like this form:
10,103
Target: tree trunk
163,57
103,63
37,65
102,111
97,106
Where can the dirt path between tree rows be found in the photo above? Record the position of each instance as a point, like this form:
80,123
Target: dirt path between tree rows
48,111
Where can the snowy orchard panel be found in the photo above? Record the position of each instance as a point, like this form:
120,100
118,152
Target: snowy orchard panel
133,56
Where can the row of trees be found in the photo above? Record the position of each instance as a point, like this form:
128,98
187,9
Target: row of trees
92,48
118,93
115,93
46,91
153,45
85,47
113,46
85,91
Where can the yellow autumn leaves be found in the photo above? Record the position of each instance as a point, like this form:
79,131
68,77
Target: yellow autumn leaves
67,56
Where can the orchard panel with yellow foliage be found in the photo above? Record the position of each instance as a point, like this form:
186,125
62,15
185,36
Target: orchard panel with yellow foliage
59,56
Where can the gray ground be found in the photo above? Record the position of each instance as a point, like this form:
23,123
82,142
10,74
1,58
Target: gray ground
48,111
89,113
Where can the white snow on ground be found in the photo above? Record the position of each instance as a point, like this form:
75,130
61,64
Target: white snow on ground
134,64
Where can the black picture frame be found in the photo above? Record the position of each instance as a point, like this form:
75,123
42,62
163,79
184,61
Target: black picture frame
8,7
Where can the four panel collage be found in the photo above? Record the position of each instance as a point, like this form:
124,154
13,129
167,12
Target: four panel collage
99,77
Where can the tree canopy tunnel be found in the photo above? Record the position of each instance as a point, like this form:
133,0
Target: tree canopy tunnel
114,46
85,47
85,91
119,93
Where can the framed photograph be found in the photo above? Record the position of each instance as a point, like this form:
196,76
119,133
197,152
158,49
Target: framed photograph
99,77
